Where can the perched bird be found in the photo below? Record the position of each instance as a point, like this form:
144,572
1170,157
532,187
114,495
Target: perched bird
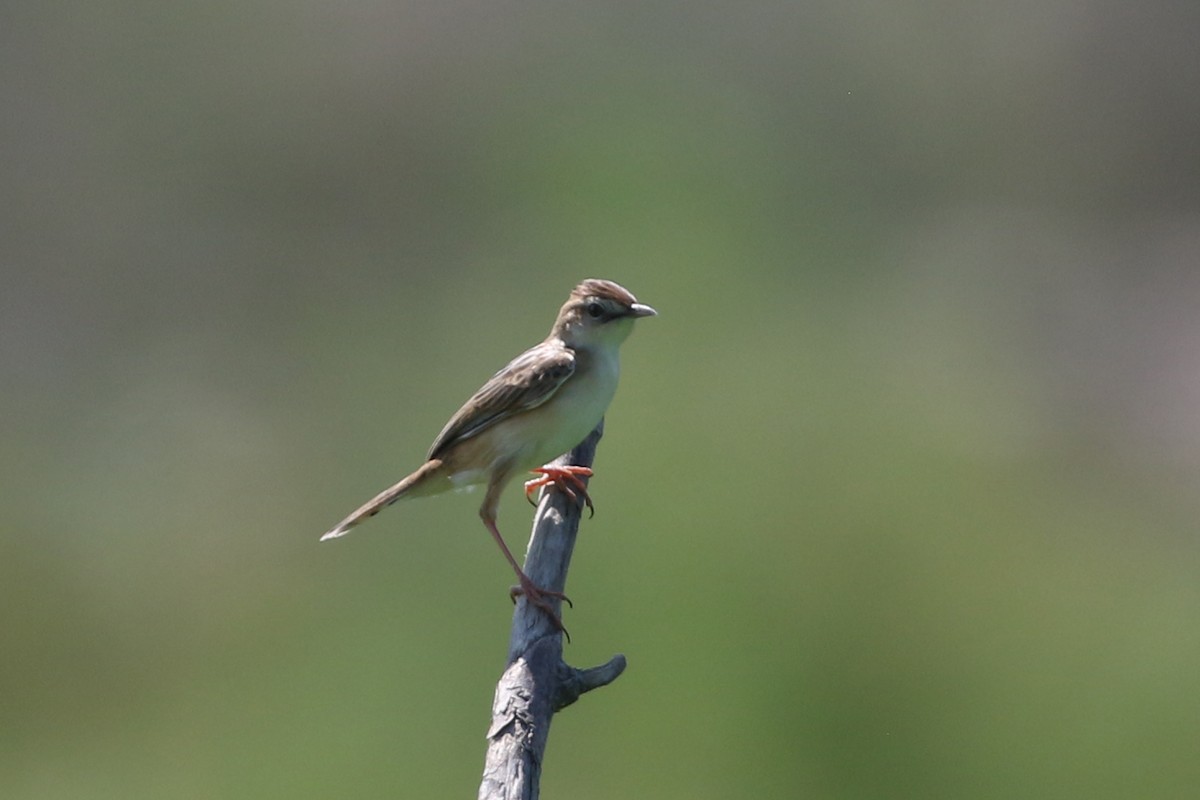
542,404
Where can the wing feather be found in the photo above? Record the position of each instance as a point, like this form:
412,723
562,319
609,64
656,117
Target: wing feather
526,382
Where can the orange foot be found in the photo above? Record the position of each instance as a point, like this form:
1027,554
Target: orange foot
536,596
568,479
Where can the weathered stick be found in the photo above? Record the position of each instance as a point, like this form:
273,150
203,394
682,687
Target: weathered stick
537,682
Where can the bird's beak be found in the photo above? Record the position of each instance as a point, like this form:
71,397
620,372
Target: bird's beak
642,310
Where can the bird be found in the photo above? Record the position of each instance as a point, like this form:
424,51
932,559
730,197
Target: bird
537,407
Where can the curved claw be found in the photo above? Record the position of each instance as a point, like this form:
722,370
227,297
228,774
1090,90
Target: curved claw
569,479
516,591
536,596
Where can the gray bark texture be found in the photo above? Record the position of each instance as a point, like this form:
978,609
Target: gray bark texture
536,681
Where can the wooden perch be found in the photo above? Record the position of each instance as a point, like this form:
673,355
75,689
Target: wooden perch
536,681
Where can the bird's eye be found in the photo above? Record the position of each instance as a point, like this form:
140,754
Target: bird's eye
594,310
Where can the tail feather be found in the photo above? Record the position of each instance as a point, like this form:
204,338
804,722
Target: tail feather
383,500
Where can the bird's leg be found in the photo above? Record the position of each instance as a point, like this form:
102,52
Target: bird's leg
569,479
533,593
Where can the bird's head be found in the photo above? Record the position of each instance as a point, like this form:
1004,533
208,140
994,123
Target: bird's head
598,313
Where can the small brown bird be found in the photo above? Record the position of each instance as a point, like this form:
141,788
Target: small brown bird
542,404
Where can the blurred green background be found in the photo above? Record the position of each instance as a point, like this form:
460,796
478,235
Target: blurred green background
898,499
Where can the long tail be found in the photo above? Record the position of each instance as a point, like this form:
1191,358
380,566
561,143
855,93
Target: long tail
384,499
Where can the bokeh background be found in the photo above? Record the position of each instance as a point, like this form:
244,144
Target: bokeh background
898,499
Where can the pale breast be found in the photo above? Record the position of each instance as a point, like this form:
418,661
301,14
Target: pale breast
573,411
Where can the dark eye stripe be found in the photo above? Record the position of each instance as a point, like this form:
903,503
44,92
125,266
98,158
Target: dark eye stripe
602,310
